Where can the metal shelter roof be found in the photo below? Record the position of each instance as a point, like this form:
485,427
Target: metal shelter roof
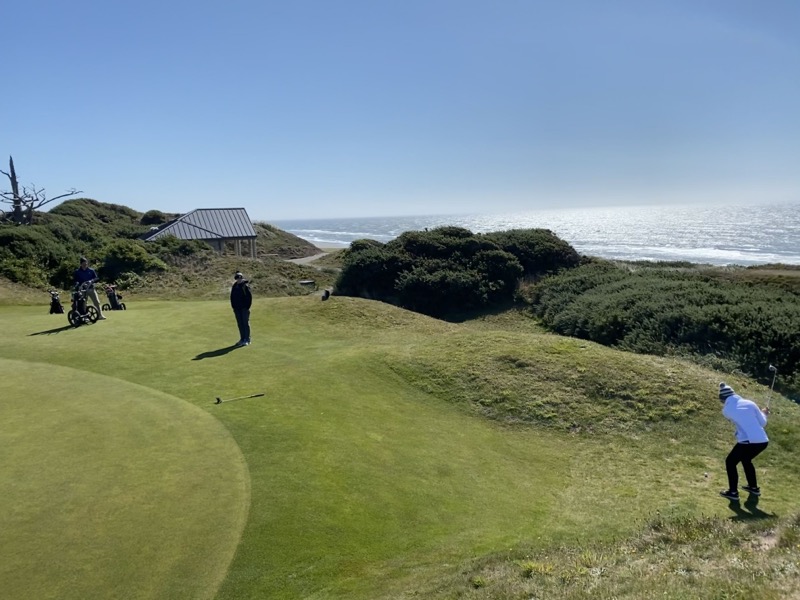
208,224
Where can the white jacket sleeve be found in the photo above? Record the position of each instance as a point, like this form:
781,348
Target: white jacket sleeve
762,418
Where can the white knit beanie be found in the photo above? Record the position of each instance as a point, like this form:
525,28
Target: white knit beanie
725,391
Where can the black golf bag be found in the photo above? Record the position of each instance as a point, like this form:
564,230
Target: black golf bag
55,304
114,299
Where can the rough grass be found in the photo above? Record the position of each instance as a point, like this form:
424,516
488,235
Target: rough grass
784,277
14,293
752,555
275,242
332,260
400,456
517,319
211,278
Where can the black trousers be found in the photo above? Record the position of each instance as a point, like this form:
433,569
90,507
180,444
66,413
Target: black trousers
243,322
743,453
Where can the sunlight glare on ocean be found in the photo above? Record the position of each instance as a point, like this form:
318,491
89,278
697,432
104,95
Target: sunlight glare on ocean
718,235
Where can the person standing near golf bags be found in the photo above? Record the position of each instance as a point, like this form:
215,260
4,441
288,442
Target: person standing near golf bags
751,440
241,300
84,274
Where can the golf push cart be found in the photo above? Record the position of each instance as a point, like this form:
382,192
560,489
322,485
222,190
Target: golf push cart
80,312
113,299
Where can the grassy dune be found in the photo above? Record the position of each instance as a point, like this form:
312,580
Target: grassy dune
393,455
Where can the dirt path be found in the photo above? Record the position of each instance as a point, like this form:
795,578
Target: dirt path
306,259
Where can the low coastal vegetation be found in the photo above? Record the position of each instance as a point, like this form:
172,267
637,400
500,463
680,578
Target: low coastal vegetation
732,319
45,254
729,319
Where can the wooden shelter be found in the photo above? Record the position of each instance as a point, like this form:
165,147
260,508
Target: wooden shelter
215,226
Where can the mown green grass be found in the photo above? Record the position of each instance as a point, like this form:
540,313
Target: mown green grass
112,489
392,451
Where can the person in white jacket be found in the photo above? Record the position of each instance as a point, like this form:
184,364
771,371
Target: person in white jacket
751,440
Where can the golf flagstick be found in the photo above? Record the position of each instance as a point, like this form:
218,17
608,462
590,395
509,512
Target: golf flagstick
220,400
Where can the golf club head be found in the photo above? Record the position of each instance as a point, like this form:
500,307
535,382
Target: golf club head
773,369
218,400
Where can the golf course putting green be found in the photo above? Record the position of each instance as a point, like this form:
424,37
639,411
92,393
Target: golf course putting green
108,485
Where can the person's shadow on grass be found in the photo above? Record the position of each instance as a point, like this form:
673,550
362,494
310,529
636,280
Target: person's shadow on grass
215,353
752,512
51,331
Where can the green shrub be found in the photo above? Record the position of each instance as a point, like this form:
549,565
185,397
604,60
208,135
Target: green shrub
128,256
434,289
23,270
445,270
539,251
62,277
128,280
169,246
371,273
91,210
661,311
499,274
365,244
153,217
29,253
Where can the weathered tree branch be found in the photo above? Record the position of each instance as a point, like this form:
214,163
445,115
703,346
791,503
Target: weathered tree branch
29,200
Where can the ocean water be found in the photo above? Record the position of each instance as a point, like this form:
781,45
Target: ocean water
717,235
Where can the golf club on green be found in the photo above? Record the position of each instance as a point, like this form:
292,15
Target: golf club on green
220,400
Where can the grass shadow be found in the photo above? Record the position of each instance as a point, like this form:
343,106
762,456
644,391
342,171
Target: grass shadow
752,512
51,331
215,353
460,316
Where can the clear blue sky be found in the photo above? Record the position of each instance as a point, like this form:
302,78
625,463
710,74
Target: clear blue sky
345,108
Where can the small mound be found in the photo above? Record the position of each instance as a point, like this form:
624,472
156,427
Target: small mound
359,314
558,382
109,485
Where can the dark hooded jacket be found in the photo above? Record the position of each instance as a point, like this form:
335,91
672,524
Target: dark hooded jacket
241,296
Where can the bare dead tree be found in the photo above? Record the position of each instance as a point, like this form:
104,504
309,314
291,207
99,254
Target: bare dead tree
23,202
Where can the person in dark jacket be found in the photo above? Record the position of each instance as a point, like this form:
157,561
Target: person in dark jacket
84,274
241,299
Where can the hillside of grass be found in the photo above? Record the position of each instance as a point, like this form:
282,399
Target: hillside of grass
18,293
210,277
274,242
333,259
392,456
